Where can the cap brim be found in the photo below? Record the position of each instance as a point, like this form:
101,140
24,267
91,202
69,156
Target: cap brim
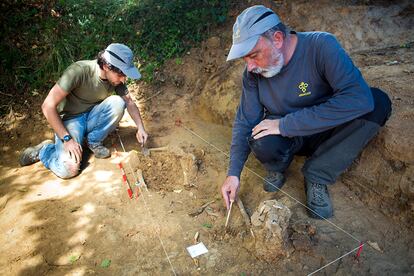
132,72
243,48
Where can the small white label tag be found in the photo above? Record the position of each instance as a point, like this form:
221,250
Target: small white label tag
197,250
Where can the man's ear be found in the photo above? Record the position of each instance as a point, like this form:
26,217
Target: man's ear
105,67
278,39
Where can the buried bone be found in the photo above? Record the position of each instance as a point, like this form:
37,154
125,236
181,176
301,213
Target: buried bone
190,168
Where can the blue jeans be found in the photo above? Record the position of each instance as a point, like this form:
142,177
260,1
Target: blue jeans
94,125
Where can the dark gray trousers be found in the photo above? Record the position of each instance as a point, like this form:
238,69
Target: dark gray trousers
330,152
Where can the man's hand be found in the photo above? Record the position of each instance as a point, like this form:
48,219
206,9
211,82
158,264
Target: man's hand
142,136
74,149
266,127
230,189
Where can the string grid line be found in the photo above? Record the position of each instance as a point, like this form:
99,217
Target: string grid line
296,200
158,229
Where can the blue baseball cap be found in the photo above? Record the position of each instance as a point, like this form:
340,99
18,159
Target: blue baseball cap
121,56
250,24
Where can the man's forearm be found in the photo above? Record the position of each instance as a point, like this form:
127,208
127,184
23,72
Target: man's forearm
239,150
54,120
135,115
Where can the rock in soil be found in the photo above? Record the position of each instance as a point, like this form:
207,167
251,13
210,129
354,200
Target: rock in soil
270,222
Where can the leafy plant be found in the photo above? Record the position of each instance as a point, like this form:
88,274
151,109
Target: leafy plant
178,61
207,225
42,37
73,258
106,263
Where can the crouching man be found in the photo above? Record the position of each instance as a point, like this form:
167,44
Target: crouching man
82,110
302,95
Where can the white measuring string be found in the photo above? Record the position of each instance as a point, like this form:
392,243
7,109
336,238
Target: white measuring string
337,259
250,170
148,210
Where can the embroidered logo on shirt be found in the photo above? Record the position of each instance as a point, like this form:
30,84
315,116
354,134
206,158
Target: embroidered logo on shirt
303,86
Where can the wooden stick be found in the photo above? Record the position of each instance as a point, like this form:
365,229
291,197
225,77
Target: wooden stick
206,204
228,214
195,241
199,210
196,236
154,95
6,94
243,212
159,149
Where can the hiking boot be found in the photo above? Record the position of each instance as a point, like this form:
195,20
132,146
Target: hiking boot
273,182
100,151
317,199
31,154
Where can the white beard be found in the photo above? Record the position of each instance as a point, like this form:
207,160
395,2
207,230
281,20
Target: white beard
272,70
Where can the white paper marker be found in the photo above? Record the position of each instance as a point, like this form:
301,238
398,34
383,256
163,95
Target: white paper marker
197,249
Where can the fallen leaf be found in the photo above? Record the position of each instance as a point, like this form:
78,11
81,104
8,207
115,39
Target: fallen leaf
375,246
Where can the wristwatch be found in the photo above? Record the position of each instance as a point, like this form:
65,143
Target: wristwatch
66,138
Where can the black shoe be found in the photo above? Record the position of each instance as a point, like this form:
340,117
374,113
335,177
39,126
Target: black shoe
31,154
100,151
317,199
273,182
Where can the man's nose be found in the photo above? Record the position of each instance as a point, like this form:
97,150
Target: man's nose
251,65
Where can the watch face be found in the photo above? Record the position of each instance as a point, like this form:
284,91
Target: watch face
67,138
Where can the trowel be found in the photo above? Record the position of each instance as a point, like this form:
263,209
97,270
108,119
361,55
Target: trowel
145,151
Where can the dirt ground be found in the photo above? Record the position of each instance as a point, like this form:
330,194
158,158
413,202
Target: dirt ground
74,227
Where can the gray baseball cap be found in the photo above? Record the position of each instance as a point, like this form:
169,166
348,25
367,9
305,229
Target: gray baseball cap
250,24
121,56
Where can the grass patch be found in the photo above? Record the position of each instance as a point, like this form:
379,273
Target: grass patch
41,38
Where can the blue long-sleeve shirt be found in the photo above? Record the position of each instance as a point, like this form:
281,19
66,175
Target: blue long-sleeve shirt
320,88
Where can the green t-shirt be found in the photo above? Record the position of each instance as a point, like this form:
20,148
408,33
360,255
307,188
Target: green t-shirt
86,89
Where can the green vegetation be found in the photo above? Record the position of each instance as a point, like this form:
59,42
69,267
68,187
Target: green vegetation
41,38
106,263
207,225
73,258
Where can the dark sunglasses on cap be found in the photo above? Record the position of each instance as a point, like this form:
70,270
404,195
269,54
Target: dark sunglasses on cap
116,70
